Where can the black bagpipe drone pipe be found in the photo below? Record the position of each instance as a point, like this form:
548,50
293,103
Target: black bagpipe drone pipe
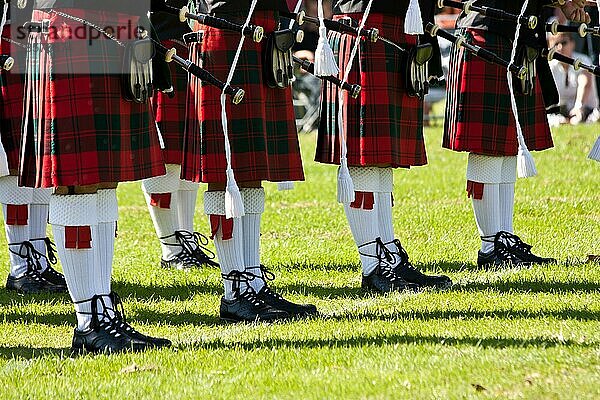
482,53
309,67
253,31
583,29
170,55
370,33
495,13
552,54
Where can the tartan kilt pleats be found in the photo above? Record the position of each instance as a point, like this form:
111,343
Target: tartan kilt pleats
11,101
170,113
479,118
262,128
84,132
384,126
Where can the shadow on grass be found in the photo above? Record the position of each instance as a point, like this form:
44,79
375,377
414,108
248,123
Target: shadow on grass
531,286
386,340
32,352
470,315
172,293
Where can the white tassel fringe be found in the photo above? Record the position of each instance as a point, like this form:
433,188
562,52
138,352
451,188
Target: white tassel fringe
595,153
234,205
345,186
286,185
413,23
525,163
324,59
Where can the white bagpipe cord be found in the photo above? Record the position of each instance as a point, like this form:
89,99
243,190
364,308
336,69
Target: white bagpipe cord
3,157
234,206
595,152
413,23
345,187
324,60
525,162
289,185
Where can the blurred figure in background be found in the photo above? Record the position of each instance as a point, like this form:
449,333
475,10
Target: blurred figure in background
576,88
307,87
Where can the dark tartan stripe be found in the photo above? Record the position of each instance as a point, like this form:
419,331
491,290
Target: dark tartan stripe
478,111
84,131
384,125
262,128
11,102
170,113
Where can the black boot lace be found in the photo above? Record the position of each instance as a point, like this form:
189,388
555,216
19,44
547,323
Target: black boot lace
402,260
102,320
51,258
194,247
120,318
501,250
512,241
266,275
31,256
249,294
385,260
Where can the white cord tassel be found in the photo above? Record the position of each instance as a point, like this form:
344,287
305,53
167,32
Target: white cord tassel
413,23
595,153
285,185
324,59
345,185
234,205
525,163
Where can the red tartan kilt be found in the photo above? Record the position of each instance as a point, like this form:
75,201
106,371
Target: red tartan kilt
85,133
170,113
384,126
262,128
11,102
479,117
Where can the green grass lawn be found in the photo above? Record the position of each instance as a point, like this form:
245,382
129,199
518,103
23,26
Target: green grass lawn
531,333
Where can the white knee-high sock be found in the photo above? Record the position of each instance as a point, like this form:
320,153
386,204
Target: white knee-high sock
38,221
507,206
230,250
487,214
254,206
384,215
15,201
164,220
186,205
108,214
15,235
161,197
365,230
80,266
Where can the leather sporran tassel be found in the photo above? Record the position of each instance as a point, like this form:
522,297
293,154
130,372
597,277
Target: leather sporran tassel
413,23
324,59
